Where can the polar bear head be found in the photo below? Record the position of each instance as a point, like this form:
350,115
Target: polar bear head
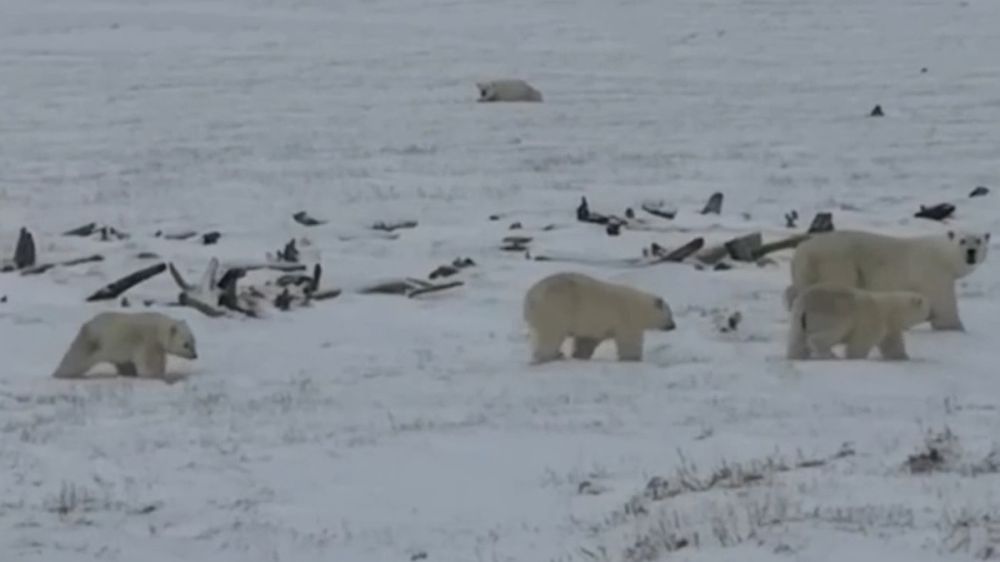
487,91
180,340
973,247
659,316
910,308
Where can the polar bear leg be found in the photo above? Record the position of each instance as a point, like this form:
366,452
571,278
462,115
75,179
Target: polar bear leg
150,362
893,348
858,346
821,343
944,308
546,347
797,346
79,358
126,369
629,345
583,348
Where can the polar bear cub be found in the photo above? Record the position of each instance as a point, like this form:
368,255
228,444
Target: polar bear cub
929,265
507,89
826,315
135,343
573,305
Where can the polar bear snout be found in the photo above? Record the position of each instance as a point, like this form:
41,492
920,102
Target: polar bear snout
188,350
669,325
970,256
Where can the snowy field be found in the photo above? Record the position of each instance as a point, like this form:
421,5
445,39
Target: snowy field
381,428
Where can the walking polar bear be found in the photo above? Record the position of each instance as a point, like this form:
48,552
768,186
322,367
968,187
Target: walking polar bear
928,265
826,315
573,305
135,343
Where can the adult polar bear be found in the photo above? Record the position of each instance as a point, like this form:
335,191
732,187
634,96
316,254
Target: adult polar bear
928,265
507,90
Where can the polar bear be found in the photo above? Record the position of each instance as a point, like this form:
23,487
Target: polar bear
826,315
507,89
574,305
135,343
929,265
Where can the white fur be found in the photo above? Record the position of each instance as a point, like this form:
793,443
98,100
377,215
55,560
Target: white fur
824,316
929,265
573,305
135,343
507,89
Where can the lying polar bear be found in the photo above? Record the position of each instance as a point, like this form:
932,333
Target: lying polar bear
826,315
507,89
573,305
929,265
135,343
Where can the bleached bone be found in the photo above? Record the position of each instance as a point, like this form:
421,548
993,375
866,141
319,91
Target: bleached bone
205,296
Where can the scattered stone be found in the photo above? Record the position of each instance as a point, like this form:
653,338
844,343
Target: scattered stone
443,271
980,191
210,238
938,212
304,219
658,211
514,226
731,323
109,232
284,300
588,488
85,230
714,204
176,235
678,254
658,488
822,222
515,243
791,218
389,227
24,251
289,254
744,248
877,112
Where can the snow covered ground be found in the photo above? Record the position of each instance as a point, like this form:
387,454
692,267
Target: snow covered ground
379,428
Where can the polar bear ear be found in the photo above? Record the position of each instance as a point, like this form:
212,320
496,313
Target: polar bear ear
986,237
659,303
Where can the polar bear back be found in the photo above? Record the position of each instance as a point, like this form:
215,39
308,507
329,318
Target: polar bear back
117,334
507,90
581,305
876,261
